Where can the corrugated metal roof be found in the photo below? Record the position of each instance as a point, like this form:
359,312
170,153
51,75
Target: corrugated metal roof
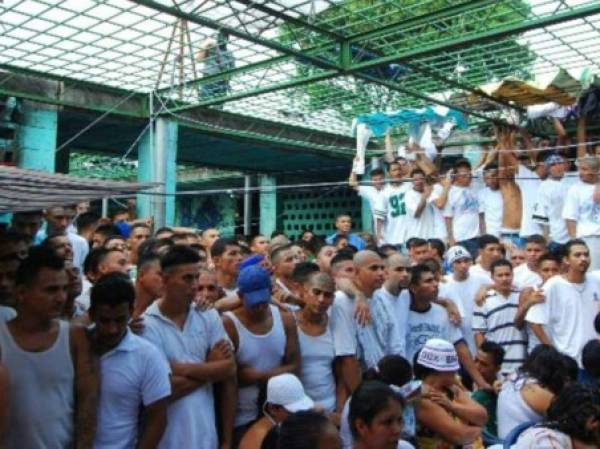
24,190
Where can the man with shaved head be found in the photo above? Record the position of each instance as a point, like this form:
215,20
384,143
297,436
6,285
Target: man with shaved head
358,348
397,278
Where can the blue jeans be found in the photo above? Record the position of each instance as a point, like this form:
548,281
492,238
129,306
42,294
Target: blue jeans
514,238
471,245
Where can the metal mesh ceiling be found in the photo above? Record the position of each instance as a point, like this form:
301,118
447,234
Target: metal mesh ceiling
310,63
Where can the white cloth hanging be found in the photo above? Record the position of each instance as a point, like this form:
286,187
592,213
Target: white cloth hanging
363,135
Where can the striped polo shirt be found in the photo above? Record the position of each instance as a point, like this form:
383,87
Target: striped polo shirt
496,319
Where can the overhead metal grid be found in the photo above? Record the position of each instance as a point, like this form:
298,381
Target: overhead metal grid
315,64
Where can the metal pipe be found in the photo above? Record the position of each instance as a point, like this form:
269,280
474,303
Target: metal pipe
247,204
159,155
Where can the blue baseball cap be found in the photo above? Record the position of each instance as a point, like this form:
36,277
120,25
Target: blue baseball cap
252,260
254,283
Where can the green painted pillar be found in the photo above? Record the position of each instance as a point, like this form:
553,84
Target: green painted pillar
37,137
144,170
167,133
366,215
268,205
157,156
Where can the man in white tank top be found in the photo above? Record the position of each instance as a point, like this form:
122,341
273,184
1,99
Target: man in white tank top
226,257
47,362
265,342
8,268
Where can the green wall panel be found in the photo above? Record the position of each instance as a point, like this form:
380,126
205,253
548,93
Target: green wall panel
317,211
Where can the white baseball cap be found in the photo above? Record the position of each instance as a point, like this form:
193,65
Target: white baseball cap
439,355
457,252
286,390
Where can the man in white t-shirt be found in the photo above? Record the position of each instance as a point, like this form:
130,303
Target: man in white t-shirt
134,375
462,210
526,275
572,300
361,347
529,182
58,220
438,200
397,277
582,208
200,354
428,320
548,211
490,202
461,287
490,251
418,250
391,211
371,193
420,220
494,319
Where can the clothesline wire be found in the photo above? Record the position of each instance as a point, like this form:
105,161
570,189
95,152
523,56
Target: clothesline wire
516,150
308,185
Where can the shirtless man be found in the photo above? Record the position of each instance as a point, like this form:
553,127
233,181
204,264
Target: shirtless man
512,198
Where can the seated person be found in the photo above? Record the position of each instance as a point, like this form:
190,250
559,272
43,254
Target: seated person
590,358
375,417
285,396
527,394
446,414
571,422
488,360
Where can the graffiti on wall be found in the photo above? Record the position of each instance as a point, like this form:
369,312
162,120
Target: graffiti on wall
207,211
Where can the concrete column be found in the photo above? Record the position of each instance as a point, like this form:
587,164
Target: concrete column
37,136
157,154
366,215
268,205
144,174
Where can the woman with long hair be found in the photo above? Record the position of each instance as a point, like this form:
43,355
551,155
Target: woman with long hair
573,422
527,394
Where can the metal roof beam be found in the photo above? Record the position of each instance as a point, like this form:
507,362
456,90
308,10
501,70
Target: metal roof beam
203,21
329,47
438,14
482,37
411,55
29,85
287,18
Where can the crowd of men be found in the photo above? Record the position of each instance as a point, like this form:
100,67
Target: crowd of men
470,314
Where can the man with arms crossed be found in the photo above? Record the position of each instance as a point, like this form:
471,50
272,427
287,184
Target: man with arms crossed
196,346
